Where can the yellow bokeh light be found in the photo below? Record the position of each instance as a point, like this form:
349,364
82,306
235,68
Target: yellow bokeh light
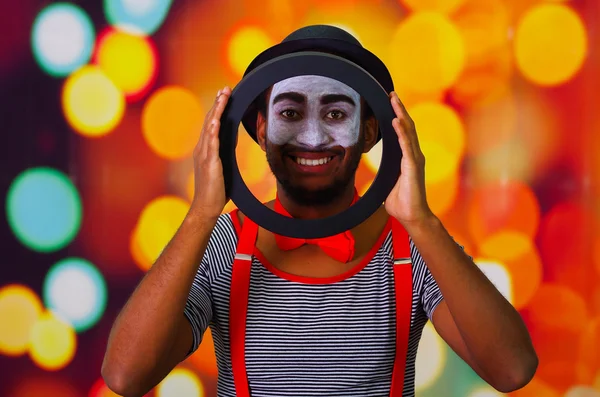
582,391
439,129
550,44
53,342
426,53
92,103
431,358
252,161
180,382
442,195
444,6
485,392
519,257
172,122
20,308
157,225
128,60
244,45
441,164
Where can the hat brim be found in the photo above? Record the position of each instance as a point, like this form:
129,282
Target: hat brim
353,53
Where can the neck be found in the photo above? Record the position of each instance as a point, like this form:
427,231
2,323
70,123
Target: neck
302,211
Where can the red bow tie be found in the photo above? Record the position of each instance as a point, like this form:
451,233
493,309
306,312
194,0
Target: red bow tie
340,246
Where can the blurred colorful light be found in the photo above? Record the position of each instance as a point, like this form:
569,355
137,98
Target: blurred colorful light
76,291
92,103
204,358
157,225
582,391
100,389
172,122
20,308
519,257
129,61
43,209
444,6
47,385
441,137
62,38
442,195
431,358
503,205
180,382
498,274
485,391
244,44
53,342
251,159
142,17
426,53
550,44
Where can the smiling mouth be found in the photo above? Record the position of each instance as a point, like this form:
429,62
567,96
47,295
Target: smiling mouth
312,162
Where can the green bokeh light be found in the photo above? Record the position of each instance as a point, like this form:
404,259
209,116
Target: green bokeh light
43,209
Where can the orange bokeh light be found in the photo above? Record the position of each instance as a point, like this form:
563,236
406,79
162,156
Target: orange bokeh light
204,359
484,25
536,388
557,316
559,307
172,122
589,346
499,112
519,256
510,205
565,241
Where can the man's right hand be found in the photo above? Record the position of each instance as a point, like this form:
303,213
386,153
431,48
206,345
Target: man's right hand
209,185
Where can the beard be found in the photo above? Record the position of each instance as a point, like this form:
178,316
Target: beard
316,196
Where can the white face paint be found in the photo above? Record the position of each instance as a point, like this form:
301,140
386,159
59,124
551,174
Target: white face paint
313,112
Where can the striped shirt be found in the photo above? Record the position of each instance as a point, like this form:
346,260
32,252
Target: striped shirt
309,337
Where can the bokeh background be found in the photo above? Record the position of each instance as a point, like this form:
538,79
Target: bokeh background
101,103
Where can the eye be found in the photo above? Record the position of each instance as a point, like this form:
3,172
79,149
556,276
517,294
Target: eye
335,115
290,114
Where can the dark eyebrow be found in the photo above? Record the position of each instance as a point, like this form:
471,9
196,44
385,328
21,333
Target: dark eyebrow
333,98
292,96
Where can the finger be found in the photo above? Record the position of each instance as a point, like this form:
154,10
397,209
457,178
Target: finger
406,120
405,146
208,124
215,124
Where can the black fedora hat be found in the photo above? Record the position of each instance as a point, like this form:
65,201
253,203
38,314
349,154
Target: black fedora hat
326,38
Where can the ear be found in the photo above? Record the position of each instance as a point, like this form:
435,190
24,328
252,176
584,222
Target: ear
261,130
370,131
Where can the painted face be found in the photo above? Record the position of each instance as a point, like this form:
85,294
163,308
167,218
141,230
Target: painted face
313,112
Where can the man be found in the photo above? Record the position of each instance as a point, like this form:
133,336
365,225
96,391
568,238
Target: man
340,316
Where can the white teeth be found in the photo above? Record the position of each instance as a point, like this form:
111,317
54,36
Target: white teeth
313,162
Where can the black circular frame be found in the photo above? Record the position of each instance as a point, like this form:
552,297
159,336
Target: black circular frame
302,64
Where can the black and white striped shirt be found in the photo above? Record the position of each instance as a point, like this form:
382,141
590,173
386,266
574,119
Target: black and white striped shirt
303,337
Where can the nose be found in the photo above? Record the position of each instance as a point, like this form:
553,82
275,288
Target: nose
313,134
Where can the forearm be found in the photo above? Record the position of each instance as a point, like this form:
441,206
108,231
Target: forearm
491,328
147,328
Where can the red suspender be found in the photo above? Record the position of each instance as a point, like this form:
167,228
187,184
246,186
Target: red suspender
238,304
403,288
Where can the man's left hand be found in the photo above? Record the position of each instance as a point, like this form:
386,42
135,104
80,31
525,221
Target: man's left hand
407,202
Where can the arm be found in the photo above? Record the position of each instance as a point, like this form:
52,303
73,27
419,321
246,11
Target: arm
151,334
476,320
478,323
